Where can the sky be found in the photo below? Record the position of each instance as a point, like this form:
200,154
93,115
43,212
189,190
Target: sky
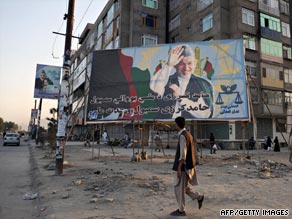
26,39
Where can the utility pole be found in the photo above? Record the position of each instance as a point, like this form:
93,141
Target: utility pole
63,97
39,122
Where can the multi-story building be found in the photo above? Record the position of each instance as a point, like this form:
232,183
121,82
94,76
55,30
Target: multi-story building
264,26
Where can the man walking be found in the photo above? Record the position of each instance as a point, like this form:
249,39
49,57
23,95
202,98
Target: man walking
184,165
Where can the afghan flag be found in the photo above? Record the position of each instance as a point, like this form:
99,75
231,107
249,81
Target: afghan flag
209,69
158,67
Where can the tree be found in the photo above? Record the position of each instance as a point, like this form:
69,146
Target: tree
52,129
1,125
11,126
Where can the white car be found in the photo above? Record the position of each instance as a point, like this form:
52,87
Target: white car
11,138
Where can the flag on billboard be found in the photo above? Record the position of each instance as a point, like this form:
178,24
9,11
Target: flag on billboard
129,84
209,69
47,81
158,67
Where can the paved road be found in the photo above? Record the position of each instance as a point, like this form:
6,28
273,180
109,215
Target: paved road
15,181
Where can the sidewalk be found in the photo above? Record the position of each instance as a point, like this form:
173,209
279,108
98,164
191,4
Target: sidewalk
114,187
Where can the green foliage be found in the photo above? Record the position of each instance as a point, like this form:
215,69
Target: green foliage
10,126
1,125
52,129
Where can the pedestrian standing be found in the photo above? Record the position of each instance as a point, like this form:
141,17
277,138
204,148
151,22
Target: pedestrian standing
277,145
212,142
105,137
269,143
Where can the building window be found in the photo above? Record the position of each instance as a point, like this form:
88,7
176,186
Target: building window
249,42
148,40
98,43
175,38
109,32
271,6
104,22
254,93
288,75
110,45
174,23
264,72
149,20
110,14
208,39
284,7
288,98
207,23
270,22
285,29
99,29
150,3
247,16
117,5
251,68
273,97
281,75
281,127
202,4
117,42
118,25
287,52
271,48
173,4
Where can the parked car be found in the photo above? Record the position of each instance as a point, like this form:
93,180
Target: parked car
11,138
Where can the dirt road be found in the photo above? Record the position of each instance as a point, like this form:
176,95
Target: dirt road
114,187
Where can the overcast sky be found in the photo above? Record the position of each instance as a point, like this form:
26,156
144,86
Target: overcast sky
26,39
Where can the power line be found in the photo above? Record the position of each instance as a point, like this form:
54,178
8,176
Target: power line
53,46
83,16
55,57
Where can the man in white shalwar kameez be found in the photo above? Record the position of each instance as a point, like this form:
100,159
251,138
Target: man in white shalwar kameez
184,165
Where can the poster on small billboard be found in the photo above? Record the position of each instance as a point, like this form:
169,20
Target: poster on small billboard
47,81
196,80
34,114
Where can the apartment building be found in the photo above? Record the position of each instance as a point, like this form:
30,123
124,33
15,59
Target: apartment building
264,26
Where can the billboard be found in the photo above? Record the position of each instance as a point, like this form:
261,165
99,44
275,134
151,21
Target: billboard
197,80
33,115
47,82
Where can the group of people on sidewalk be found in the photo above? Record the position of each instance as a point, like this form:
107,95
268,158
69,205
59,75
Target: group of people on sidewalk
251,143
268,144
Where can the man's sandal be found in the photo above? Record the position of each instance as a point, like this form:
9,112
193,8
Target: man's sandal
200,202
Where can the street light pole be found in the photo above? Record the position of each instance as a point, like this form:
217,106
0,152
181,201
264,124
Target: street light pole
63,97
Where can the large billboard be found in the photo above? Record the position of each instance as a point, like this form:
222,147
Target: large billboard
199,80
47,82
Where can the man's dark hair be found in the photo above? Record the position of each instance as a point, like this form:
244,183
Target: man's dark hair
187,51
180,121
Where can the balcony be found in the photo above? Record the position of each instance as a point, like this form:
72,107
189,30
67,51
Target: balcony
271,82
269,9
272,58
266,32
274,109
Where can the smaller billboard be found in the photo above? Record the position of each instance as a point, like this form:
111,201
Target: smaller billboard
33,115
47,82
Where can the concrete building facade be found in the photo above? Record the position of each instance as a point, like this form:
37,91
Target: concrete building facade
264,26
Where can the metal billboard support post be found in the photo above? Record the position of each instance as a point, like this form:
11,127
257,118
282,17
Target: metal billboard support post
39,122
63,105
